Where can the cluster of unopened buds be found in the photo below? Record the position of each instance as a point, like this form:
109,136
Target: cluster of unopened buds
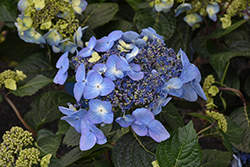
128,72
52,22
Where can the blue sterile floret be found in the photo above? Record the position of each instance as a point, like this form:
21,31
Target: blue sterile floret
63,65
127,75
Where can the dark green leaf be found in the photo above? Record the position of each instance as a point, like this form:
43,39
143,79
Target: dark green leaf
134,4
54,162
241,117
163,23
98,14
101,163
246,86
8,13
1,98
223,102
200,116
232,79
234,131
48,142
200,46
219,33
45,107
237,35
215,158
171,116
72,156
36,64
128,152
32,86
226,141
63,127
181,38
13,48
181,149
219,60
72,137
243,46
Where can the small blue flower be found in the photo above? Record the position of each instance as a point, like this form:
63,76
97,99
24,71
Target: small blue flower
125,121
146,124
78,36
79,5
164,5
100,68
151,33
161,103
63,65
87,51
112,72
90,135
133,54
100,112
22,5
64,46
183,7
105,43
212,9
189,70
98,86
133,37
32,36
173,87
80,82
133,70
53,37
192,18
189,93
74,119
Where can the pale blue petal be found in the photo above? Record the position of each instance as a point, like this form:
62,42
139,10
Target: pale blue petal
110,73
92,42
198,89
22,5
184,59
94,104
183,7
102,45
157,131
115,35
60,77
78,90
66,111
80,73
97,132
94,117
112,60
143,116
108,118
107,105
189,73
125,121
161,103
213,17
71,120
101,141
53,37
106,87
100,68
94,79
189,93
123,65
136,76
140,42
140,130
133,54
63,62
85,52
135,67
87,140
130,36
91,92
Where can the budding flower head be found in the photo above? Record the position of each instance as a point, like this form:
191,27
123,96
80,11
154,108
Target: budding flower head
9,78
222,122
28,157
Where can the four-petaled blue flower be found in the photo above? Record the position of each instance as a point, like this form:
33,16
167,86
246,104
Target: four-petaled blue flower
212,9
79,5
125,121
147,125
78,36
173,87
53,37
133,70
87,51
97,85
183,7
133,37
100,112
161,103
63,65
112,72
192,18
151,33
105,43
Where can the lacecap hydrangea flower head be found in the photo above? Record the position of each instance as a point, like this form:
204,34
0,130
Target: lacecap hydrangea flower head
134,73
52,22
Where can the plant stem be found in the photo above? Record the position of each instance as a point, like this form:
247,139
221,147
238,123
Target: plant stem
224,74
18,114
226,7
203,130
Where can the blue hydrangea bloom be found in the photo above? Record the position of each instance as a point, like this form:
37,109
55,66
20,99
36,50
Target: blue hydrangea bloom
192,18
182,7
133,37
100,112
125,121
212,9
53,37
100,68
133,70
147,125
105,43
65,46
32,36
151,33
63,65
112,72
97,85
80,82
87,51
173,87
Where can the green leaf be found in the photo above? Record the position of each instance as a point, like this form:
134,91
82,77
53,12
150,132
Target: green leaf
128,152
181,149
32,86
1,98
163,23
8,13
63,127
219,33
241,118
237,35
219,60
200,46
13,48
72,156
246,86
54,162
234,131
35,64
243,46
98,14
232,78
45,107
215,158
226,141
171,116
48,142
72,137
134,4
200,116
181,38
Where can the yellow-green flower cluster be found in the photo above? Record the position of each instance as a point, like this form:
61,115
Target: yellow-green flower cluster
210,91
28,157
13,142
8,79
222,122
51,21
